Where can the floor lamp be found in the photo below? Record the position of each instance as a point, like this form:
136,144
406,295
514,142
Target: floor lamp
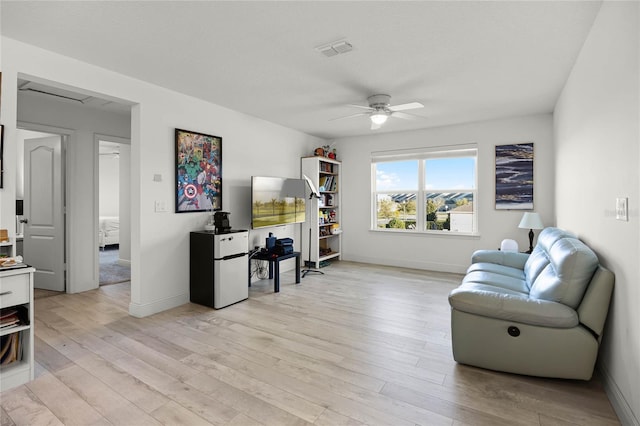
314,194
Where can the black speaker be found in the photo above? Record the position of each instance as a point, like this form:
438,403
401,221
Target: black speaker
270,243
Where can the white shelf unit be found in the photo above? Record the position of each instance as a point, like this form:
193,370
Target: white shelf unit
16,288
323,215
6,249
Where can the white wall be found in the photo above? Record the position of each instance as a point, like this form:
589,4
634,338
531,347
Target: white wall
447,252
597,160
160,249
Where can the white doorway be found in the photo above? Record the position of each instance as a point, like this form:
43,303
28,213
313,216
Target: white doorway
114,236
79,117
52,108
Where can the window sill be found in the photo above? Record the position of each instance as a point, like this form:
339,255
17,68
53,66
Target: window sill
446,234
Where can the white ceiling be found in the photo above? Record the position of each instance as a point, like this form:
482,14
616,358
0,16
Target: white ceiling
465,61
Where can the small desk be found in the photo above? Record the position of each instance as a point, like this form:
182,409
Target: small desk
274,266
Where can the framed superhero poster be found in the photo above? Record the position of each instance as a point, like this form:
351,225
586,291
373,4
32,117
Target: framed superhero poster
198,172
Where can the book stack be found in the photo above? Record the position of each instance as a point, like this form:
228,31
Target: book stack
11,344
10,348
328,184
13,317
326,167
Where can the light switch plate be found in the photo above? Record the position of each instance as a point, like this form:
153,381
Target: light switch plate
622,209
161,206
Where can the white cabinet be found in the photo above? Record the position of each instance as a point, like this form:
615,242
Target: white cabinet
16,289
323,215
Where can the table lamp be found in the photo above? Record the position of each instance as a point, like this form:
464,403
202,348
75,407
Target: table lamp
532,221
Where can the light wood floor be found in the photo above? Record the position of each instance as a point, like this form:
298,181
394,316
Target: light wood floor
359,345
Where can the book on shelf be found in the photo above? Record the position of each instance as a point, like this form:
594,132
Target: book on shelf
326,167
321,183
10,348
13,317
328,184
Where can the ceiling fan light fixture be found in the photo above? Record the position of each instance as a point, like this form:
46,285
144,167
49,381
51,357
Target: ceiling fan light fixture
379,117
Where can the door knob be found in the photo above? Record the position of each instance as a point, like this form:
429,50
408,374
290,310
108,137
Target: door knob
24,220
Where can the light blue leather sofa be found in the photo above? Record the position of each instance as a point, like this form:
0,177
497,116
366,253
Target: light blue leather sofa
540,314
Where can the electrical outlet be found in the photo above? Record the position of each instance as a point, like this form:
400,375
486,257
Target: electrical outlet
622,209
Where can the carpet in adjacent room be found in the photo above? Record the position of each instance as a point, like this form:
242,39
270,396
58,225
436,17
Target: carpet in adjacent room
112,272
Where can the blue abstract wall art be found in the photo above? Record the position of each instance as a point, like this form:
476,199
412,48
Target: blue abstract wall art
514,176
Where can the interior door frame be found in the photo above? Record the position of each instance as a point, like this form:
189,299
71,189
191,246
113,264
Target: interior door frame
97,137
65,134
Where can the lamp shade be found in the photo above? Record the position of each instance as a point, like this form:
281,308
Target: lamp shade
531,220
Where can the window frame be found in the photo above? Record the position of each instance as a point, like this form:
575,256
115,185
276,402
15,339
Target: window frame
455,151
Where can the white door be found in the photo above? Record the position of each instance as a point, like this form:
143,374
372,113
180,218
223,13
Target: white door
43,211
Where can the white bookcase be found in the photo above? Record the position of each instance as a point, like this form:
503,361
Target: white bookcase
16,288
323,215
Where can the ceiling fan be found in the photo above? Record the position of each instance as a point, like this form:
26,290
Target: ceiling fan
380,109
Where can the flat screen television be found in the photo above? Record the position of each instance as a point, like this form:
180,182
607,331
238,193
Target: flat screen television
276,201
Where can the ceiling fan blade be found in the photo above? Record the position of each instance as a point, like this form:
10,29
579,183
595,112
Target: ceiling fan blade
360,106
349,116
405,116
403,107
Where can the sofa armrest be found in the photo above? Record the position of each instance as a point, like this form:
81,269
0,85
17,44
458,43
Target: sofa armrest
492,302
595,304
499,257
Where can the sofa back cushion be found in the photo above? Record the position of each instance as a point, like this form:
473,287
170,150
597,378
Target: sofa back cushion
539,258
560,268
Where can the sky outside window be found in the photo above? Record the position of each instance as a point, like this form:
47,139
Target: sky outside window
450,173
441,173
401,175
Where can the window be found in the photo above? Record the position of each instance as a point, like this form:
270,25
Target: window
425,190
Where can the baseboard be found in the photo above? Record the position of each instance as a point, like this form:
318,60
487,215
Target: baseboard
427,266
620,405
144,310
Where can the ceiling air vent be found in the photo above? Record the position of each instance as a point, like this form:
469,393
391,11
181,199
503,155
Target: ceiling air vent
335,48
342,47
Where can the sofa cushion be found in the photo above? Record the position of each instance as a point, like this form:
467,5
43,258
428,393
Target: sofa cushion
494,302
539,258
498,280
564,279
498,269
499,257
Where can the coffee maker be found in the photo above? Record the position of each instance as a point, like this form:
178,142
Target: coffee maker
221,222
